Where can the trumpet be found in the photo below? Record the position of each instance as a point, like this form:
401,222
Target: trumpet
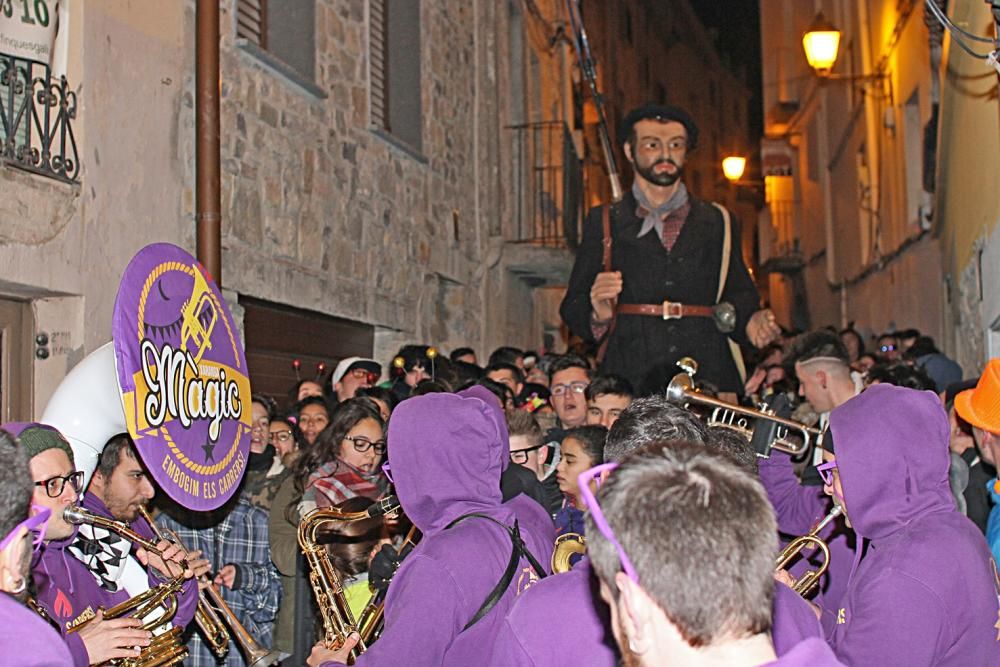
565,548
213,615
326,582
809,579
682,391
166,648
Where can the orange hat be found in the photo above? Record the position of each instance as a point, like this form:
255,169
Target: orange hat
981,406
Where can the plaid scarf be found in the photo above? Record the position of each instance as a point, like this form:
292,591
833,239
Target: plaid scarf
667,219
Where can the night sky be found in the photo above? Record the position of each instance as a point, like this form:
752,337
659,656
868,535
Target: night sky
737,23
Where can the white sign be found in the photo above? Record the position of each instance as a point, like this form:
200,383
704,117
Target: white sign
28,28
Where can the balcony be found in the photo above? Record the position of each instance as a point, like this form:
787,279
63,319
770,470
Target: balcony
36,120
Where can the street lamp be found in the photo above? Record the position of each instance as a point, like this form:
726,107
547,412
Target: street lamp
733,167
821,43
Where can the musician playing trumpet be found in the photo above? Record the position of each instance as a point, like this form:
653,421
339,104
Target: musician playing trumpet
67,590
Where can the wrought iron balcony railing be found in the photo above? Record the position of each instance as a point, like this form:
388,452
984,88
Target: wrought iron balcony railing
36,120
548,184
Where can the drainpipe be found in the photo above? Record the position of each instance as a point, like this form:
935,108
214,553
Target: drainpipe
208,212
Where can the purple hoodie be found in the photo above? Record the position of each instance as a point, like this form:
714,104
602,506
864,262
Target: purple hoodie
66,587
808,653
27,640
447,453
798,509
926,591
561,620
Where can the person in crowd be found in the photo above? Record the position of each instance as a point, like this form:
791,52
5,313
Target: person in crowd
507,355
522,475
352,374
607,396
900,374
925,591
344,460
907,338
448,599
963,444
264,470
412,365
888,348
464,354
284,435
683,541
529,451
234,540
569,377
823,370
507,374
498,389
853,342
65,587
656,258
979,407
305,389
766,373
383,398
582,449
924,355
23,633
312,415
865,363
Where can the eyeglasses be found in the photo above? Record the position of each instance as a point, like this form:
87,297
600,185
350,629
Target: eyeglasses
575,387
34,525
825,471
280,436
887,348
54,485
520,456
387,471
584,480
363,444
363,374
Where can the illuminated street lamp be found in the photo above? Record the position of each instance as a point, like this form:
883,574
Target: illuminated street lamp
733,167
821,43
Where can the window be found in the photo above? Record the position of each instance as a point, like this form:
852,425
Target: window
284,30
394,43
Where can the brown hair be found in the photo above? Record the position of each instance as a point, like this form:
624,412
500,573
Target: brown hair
701,535
522,422
349,543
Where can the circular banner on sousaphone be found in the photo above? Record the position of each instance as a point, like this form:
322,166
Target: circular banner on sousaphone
183,377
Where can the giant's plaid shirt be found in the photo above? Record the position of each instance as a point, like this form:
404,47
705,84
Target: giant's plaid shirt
241,539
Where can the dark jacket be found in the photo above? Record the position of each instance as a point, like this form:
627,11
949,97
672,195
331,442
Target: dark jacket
643,348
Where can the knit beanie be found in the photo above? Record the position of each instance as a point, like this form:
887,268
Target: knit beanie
36,438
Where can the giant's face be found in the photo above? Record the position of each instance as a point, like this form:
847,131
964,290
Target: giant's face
659,152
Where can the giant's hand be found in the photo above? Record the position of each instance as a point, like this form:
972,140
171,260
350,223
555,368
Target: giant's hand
606,288
113,638
762,328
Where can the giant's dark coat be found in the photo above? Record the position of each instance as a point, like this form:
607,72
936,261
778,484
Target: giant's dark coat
644,349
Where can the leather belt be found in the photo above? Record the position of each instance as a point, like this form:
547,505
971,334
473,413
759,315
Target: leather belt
668,310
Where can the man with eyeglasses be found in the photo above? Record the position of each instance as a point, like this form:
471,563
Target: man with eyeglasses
926,590
660,275
65,587
354,373
697,588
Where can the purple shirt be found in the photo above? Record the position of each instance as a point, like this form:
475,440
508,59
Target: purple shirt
26,640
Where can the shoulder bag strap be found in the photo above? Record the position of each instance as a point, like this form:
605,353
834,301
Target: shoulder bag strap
519,549
727,251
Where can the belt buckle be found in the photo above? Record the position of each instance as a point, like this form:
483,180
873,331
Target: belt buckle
672,310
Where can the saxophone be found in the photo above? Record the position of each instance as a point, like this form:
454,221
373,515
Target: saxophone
166,648
566,547
326,582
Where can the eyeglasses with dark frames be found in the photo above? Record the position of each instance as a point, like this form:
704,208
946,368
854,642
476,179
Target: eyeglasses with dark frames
575,387
590,500
363,444
280,436
520,456
54,485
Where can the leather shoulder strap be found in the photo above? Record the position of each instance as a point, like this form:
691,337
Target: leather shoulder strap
727,249
607,241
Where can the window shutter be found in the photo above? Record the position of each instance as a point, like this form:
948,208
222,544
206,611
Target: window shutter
377,56
251,21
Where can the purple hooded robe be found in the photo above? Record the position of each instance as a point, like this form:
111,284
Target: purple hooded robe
66,587
27,640
447,453
926,592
